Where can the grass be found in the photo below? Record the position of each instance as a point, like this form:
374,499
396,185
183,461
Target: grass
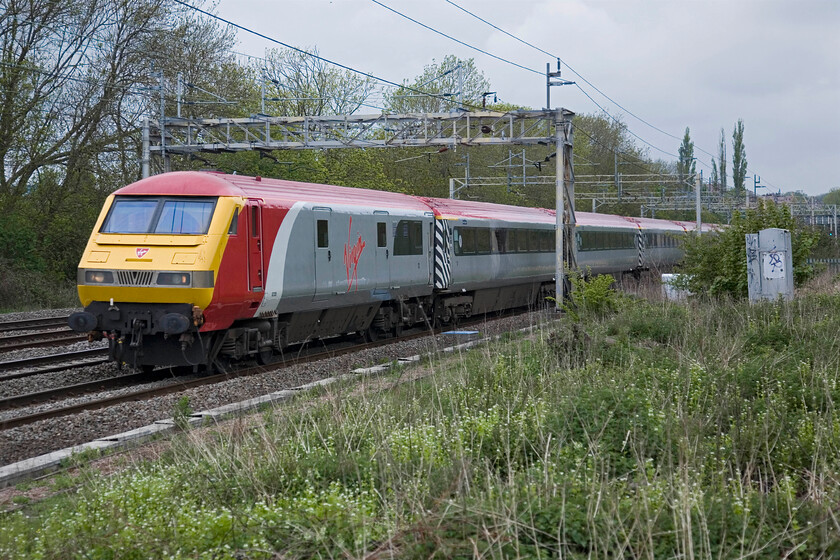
641,430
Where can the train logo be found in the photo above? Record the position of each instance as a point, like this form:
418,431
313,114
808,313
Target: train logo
141,251
352,256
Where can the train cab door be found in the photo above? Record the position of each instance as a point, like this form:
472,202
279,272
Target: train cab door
324,282
256,269
383,253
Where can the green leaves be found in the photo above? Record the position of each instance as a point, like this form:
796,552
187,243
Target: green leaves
739,156
716,264
686,163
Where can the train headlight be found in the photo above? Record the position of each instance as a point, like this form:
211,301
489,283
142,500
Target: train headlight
173,279
99,277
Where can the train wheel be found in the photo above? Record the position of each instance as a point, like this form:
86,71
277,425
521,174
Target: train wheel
265,356
371,334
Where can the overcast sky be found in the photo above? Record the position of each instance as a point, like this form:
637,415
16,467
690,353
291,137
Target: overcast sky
674,63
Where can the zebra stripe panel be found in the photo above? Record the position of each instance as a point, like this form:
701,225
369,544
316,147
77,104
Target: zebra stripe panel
640,240
443,264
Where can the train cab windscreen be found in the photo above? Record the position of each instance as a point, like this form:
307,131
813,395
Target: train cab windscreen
159,215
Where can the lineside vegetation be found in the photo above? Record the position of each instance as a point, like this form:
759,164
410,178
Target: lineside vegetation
639,430
717,264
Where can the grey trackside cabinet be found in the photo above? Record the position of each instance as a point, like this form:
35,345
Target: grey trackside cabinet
769,265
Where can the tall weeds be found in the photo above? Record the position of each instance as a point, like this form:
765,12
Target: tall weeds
655,431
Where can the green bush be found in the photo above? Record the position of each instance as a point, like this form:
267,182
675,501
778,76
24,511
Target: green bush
716,264
591,294
24,288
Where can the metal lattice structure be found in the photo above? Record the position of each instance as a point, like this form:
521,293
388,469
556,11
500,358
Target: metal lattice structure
263,132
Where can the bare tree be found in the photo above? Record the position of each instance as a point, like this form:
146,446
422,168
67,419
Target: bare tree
300,84
440,88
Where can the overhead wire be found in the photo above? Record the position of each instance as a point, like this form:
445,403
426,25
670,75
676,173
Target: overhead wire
319,57
525,68
575,72
456,40
579,75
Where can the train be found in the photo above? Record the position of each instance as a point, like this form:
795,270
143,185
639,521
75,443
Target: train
197,268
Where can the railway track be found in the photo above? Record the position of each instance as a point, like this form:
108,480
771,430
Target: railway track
178,384
27,367
32,324
37,340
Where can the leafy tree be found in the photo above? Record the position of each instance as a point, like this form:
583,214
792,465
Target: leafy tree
716,264
722,160
446,83
600,138
715,176
832,196
686,163
739,157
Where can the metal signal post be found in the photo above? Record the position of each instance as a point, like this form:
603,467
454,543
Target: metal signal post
565,195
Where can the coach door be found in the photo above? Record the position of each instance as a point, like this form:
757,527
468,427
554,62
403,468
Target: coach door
383,252
256,273
324,283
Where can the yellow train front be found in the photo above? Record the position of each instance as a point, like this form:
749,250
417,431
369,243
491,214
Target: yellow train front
148,275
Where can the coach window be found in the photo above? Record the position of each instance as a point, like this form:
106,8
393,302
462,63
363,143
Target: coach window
408,238
522,240
467,242
381,237
512,241
501,240
482,241
533,240
323,233
511,238
547,241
